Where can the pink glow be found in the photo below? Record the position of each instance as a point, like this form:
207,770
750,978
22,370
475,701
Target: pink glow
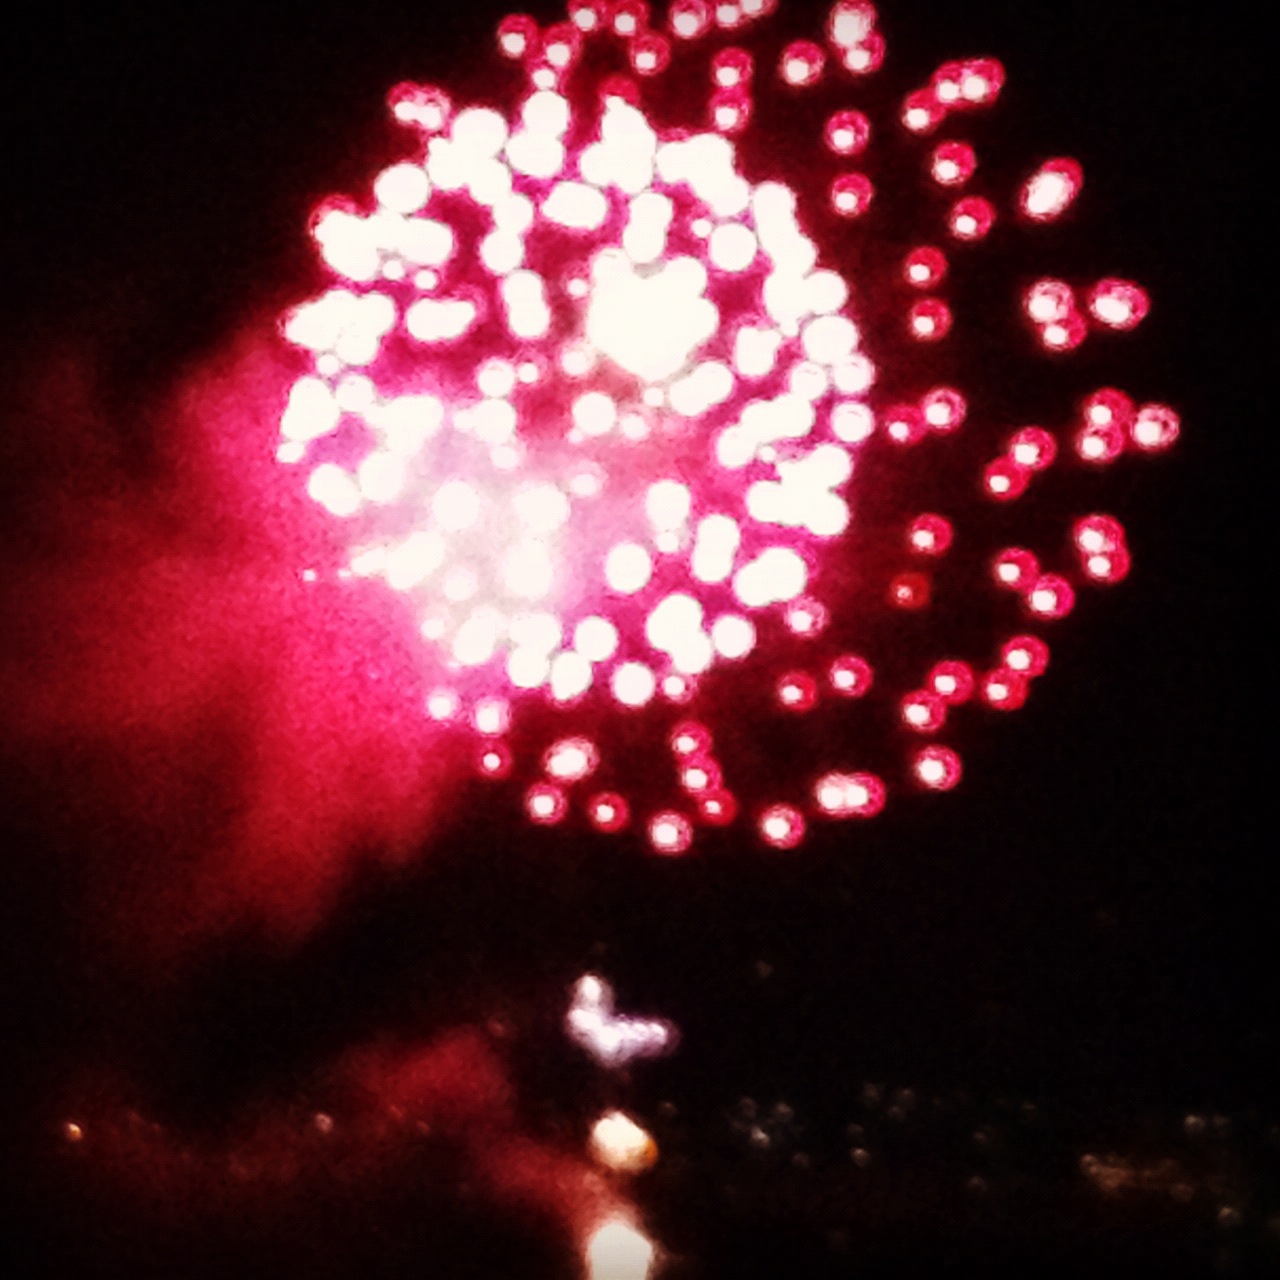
930,320
1093,534
608,812
1006,480
717,808
922,113
420,106
850,23
1109,407
865,58
782,826
1015,569
670,833
518,37
1100,443
925,268
1118,304
807,618
852,194
494,761
730,110
910,591
1064,335
732,68
1051,597
1049,301
905,424
801,63
689,19
572,759
953,682
850,676
629,17
683,490
1156,428
1034,448
924,712
545,804
1108,567
1004,690
930,535
1026,655
953,164
944,409
797,692
847,132
650,53
701,777
588,15
850,795
972,218
1100,544
937,768
690,739
1051,190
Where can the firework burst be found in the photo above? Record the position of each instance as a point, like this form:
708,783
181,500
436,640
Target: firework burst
672,438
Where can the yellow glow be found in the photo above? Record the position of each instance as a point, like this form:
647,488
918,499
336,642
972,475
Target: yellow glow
618,1143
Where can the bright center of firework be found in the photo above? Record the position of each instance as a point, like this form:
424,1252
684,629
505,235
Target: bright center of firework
579,406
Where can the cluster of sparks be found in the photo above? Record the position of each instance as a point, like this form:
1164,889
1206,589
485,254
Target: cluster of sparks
595,405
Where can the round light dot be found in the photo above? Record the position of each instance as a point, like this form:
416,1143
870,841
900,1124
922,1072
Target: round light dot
1026,655
937,768
782,826
628,568
953,682
670,833
634,684
1004,690
930,320
953,164
494,761
852,194
850,676
571,759
797,692
1050,597
545,804
930,535
608,812
847,132
923,712
801,63
1015,569
909,591
925,268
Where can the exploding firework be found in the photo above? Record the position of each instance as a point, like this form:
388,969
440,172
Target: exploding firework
734,435
637,413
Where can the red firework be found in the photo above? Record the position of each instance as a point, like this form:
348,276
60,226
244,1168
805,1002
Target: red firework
598,390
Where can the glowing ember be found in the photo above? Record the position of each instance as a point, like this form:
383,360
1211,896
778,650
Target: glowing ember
620,1144
606,416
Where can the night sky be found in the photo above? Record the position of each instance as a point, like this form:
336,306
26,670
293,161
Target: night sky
1071,957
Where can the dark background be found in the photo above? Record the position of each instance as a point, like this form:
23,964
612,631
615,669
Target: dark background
1074,952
